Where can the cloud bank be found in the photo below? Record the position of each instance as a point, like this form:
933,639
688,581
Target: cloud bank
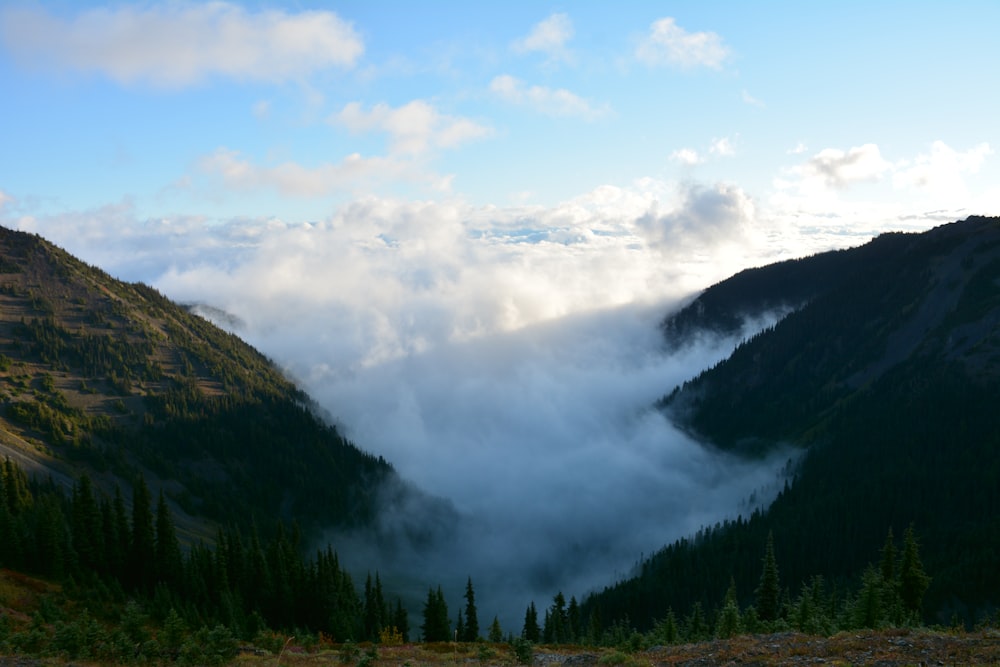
180,44
503,359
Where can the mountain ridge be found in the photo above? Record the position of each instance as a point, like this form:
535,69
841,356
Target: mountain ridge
887,377
111,377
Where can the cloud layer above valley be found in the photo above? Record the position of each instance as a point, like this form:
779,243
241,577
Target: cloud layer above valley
505,360
458,224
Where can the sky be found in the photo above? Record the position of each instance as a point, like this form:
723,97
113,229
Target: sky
458,224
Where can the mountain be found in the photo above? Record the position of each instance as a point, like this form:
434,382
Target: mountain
884,372
113,378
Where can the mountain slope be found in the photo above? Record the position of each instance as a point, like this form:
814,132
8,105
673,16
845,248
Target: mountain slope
931,298
888,376
114,378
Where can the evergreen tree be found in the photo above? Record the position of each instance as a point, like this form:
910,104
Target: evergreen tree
769,589
459,627
401,621
471,633
436,625
168,566
888,562
372,611
142,551
496,632
531,631
573,629
119,554
556,621
868,610
913,581
729,624
85,527
696,625
666,629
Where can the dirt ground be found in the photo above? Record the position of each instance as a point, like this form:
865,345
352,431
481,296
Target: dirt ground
885,649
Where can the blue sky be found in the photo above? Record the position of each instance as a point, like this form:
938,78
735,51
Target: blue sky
502,105
457,223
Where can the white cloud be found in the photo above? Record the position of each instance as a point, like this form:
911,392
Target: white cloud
688,156
838,169
797,149
703,217
723,146
838,197
415,127
669,44
353,173
548,37
504,358
941,170
4,199
549,101
178,44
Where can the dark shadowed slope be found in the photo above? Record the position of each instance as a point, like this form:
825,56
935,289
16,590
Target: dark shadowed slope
888,374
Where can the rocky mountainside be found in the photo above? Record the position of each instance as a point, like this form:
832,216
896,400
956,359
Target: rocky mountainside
115,379
884,373
930,300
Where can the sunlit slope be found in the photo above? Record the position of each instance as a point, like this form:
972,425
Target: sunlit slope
114,378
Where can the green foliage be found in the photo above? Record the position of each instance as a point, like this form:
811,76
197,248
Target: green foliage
436,626
729,622
523,650
217,646
181,398
471,632
769,590
496,632
913,581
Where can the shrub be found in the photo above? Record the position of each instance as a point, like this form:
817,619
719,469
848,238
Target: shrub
524,651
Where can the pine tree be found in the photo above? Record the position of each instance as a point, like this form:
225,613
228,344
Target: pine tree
496,632
401,621
913,581
666,629
169,565
372,612
888,562
573,629
769,589
459,627
729,623
85,527
119,554
471,633
868,610
436,627
531,631
556,621
142,551
696,625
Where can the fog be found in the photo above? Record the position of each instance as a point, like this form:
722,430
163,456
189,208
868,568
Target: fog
504,361
545,441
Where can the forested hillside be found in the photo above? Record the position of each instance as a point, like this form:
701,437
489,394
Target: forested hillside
887,376
111,377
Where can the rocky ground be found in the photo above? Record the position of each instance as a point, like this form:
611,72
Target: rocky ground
885,648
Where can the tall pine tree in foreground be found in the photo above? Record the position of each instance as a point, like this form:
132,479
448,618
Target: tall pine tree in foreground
436,627
769,589
471,619
913,581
